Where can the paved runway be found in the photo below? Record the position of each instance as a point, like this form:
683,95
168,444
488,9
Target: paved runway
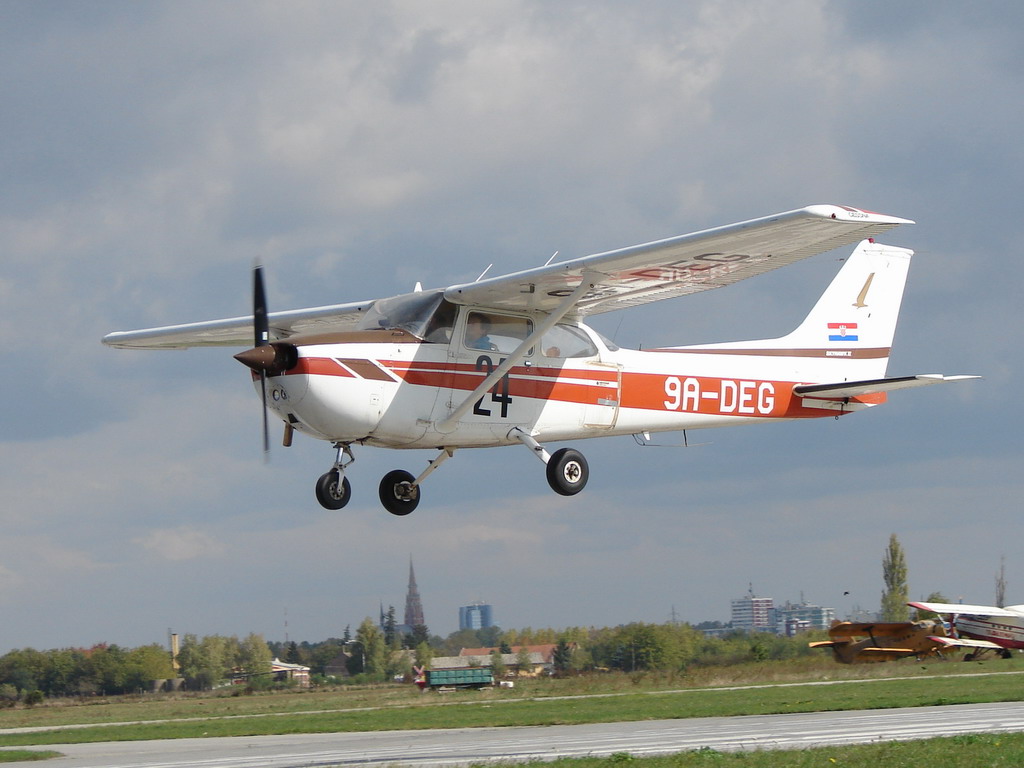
477,745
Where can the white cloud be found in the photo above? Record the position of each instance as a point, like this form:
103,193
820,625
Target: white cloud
182,543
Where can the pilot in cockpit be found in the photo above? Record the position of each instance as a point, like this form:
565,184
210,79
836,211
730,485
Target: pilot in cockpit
477,327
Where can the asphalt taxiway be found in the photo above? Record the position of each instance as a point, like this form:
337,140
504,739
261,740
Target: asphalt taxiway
456,747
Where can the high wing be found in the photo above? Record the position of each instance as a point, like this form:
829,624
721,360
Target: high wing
966,610
238,331
680,265
628,277
867,629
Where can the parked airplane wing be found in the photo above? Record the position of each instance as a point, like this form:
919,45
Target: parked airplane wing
680,265
965,610
890,653
965,642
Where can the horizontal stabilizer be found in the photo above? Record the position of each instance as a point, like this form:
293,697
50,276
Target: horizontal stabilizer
870,386
964,642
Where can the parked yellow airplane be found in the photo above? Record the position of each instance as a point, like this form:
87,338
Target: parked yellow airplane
883,641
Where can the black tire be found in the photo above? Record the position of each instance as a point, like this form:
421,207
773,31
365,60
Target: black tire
328,492
567,472
397,494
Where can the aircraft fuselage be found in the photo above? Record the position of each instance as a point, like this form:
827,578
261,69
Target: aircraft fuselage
398,395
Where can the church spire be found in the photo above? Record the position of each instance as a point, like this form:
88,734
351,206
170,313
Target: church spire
413,606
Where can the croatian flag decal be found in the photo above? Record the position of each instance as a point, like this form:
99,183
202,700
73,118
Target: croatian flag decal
842,332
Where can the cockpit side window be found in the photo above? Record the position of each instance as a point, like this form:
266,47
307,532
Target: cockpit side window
496,333
567,341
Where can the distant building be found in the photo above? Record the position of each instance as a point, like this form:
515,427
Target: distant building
541,659
476,616
859,614
754,614
413,605
413,608
296,673
791,619
280,671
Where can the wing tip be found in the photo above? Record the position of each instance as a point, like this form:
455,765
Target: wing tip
848,213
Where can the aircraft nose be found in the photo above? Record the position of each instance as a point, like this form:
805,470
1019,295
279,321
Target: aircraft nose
272,359
257,358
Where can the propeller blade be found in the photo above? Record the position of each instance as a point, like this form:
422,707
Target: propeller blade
266,427
261,339
261,328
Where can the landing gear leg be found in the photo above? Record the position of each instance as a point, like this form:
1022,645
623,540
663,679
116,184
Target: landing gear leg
333,490
567,469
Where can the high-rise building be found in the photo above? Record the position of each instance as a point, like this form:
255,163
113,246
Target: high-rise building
753,613
476,616
413,605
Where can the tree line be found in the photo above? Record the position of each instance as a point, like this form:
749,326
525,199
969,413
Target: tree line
372,653
104,670
369,656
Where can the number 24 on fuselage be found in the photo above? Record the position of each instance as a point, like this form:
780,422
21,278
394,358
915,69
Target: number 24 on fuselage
508,360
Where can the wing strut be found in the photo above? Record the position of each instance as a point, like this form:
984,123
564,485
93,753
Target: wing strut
589,280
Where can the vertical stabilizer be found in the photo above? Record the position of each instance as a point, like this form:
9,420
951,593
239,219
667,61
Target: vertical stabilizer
848,333
859,309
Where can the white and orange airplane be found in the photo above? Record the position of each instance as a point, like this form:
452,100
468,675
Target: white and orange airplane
982,627
508,360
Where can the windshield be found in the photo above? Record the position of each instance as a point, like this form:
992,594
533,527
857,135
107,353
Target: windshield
424,314
611,345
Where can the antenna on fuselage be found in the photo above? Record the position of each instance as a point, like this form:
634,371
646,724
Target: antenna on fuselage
484,273
551,259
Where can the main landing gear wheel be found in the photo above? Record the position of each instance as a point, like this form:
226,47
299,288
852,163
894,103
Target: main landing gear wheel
567,472
330,493
397,492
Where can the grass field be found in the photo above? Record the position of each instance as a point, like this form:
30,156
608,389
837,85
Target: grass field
25,755
801,686
968,751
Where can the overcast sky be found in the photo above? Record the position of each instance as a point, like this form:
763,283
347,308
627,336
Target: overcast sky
152,150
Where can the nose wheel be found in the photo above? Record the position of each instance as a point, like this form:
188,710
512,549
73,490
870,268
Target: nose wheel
331,493
333,489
